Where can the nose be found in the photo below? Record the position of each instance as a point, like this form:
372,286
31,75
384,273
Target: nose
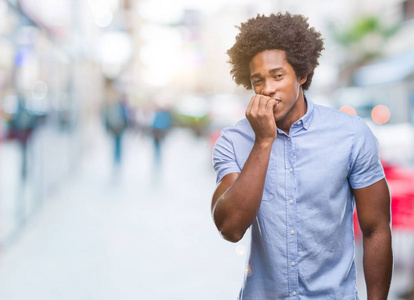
269,88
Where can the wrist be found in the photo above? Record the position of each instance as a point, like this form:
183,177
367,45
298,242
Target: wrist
264,143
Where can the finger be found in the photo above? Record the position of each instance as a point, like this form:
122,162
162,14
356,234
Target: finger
263,102
270,104
249,107
255,104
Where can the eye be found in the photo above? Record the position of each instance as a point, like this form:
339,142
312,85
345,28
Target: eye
256,82
278,76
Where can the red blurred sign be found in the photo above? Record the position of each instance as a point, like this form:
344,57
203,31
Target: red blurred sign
401,185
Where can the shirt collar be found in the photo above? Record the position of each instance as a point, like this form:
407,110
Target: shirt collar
303,122
307,118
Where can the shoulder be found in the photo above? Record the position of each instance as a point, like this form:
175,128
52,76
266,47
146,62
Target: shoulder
329,112
333,117
237,138
242,125
240,129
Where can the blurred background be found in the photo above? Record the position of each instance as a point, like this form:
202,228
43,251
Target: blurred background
109,112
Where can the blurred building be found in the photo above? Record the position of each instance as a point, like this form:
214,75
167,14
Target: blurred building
49,86
380,83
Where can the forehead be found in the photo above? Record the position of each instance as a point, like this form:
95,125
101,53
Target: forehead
268,60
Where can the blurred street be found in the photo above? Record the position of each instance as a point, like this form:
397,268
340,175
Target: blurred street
109,111
135,234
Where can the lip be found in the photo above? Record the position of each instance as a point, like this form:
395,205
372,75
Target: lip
277,103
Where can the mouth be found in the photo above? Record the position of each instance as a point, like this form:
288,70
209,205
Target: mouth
277,104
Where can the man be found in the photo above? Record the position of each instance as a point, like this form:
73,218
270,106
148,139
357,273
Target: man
293,172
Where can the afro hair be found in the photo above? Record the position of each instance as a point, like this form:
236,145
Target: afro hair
290,33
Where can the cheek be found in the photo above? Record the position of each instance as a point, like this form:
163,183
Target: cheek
295,87
255,90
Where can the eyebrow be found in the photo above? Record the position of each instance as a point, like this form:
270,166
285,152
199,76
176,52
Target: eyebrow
256,75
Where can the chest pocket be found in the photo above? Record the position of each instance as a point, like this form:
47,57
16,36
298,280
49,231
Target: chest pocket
269,190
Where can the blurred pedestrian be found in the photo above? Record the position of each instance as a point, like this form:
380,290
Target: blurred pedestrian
116,122
160,126
293,171
22,126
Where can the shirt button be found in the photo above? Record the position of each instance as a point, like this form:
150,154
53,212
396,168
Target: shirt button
299,122
293,264
294,293
291,201
288,139
292,232
306,124
290,170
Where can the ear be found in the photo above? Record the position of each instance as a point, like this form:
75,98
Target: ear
302,80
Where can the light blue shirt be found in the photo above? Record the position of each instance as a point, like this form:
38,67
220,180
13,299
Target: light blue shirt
302,243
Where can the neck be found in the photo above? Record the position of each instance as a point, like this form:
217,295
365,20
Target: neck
297,111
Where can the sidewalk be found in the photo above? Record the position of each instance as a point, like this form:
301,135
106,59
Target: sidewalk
142,235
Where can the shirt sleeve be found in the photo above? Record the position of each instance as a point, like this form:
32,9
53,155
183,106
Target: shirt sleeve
224,159
366,168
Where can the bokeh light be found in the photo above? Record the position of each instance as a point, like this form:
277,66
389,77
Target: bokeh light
348,109
240,250
380,114
248,270
39,89
156,56
104,19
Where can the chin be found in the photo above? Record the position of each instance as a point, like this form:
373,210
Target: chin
277,117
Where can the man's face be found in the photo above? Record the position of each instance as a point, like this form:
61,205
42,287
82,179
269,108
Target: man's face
271,75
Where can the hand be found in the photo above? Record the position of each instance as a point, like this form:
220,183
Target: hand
261,118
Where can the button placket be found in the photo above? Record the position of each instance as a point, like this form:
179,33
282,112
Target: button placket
292,253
